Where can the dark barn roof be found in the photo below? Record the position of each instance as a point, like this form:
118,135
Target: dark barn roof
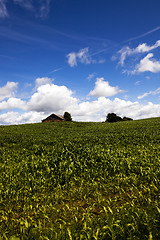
53,117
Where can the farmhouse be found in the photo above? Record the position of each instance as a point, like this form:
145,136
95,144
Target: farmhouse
54,118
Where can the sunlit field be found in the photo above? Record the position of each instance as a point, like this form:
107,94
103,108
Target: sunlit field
80,181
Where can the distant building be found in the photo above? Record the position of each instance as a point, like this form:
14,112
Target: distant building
54,118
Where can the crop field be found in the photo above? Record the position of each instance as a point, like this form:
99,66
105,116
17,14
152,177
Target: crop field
80,181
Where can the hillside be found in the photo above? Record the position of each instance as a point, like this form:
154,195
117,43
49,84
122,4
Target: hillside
80,180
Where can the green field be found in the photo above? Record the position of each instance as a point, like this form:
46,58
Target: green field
80,181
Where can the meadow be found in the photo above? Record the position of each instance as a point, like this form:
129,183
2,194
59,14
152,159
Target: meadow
80,181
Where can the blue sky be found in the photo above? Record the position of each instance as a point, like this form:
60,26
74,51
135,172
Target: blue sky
87,57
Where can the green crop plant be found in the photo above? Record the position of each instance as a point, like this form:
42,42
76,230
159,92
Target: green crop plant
80,181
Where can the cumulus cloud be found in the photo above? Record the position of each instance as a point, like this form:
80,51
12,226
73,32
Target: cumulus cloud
21,118
147,65
141,48
8,90
155,92
43,81
103,89
3,9
13,103
89,111
97,110
82,56
50,98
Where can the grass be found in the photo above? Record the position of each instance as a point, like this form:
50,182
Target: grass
80,180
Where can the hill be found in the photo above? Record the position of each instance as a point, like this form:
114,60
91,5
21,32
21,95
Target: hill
80,180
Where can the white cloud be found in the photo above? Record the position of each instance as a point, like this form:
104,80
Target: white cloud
141,48
147,65
156,92
89,111
13,103
50,98
82,56
89,78
21,118
145,48
72,59
124,52
3,9
43,81
103,89
8,90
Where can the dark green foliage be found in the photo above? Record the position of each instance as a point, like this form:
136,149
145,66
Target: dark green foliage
67,117
80,181
112,117
127,119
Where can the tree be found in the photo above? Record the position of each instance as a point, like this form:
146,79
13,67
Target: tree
112,117
67,116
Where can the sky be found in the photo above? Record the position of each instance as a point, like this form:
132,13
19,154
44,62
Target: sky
85,57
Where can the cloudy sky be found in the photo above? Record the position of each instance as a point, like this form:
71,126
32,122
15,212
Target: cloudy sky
87,57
